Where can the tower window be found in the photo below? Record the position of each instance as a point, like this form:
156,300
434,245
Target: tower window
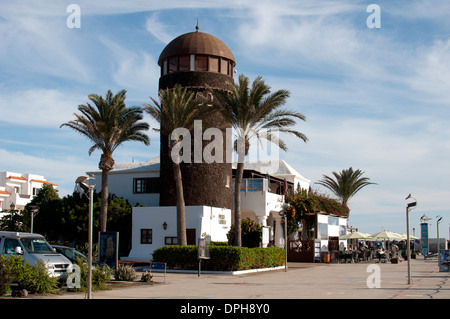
213,64
224,66
164,68
201,63
183,63
173,64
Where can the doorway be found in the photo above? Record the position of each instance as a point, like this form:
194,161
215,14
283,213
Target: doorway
191,238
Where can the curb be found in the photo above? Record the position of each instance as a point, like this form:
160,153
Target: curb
214,272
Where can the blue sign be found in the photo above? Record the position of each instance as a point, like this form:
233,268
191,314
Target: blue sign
158,266
424,238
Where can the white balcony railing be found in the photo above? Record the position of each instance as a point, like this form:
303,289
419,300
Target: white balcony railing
255,196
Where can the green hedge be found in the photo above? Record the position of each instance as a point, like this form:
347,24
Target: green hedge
222,257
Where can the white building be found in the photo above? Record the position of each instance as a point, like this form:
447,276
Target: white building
136,182
262,199
154,227
19,189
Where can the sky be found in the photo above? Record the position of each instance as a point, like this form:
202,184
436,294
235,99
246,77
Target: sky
376,97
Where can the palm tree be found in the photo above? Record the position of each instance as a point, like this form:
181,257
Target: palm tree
177,109
253,112
346,183
108,124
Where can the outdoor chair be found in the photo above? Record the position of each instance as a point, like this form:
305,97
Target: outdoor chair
341,257
368,255
362,255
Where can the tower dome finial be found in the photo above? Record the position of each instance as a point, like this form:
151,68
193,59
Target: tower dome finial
197,27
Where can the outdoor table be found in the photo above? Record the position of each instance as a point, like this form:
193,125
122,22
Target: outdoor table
381,256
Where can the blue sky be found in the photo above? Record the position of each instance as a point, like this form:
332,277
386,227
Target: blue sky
375,99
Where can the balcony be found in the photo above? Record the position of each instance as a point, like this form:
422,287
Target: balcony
20,200
257,197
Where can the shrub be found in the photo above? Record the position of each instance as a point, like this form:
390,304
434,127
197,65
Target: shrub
146,277
222,257
100,276
5,276
37,280
125,273
177,256
34,278
251,233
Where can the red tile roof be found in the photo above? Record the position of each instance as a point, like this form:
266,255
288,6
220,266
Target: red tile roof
16,177
44,182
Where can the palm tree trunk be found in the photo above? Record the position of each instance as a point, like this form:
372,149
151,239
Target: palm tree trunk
237,202
181,212
104,201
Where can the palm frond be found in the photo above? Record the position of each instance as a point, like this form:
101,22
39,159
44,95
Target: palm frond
108,123
345,183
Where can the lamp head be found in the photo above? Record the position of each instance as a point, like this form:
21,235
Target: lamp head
81,182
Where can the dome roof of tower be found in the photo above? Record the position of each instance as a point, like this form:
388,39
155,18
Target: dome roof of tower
196,43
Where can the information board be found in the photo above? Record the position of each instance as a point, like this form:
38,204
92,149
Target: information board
108,248
424,238
444,260
203,247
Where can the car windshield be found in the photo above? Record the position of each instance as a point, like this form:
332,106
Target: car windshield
70,252
36,245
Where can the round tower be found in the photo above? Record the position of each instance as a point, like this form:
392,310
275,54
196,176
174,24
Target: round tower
196,61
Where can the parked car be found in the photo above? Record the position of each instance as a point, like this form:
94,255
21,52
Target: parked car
34,248
71,253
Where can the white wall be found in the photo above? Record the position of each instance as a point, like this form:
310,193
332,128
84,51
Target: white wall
121,185
205,220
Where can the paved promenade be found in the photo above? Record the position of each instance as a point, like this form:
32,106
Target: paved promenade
301,281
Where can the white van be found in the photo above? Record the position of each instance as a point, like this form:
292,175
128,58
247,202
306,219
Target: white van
34,248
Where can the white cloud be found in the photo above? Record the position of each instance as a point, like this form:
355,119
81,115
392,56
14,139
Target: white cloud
39,107
34,44
432,72
436,10
158,29
375,99
137,71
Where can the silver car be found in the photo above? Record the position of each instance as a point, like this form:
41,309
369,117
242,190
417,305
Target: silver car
34,248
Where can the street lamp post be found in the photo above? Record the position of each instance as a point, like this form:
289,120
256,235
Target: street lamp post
284,216
88,189
408,246
438,243
33,212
